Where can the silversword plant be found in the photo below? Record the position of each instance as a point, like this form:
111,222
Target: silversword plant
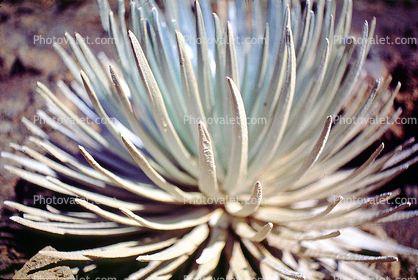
212,138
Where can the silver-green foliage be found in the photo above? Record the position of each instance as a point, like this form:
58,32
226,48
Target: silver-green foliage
237,138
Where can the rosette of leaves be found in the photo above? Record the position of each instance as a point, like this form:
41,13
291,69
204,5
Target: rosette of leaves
213,138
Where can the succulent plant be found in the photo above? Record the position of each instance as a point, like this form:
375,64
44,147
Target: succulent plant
214,138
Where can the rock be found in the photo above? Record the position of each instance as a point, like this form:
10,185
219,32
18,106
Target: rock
39,261
6,127
59,272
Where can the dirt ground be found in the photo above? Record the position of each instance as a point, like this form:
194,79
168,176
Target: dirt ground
25,59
